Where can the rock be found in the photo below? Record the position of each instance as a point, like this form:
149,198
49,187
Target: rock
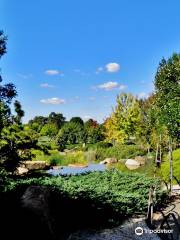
140,159
123,232
78,165
21,171
132,164
35,165
35,202
109,161
56,167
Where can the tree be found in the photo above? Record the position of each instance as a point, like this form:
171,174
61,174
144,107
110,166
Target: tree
19,112
93,131
3,40
167,87
124,122
95,135
37,123
71,133
7,91
15,145
77,120
49,130
91,123
56,118
15,141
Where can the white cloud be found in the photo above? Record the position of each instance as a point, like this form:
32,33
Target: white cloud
52,72
54,100
108,86
111,86
112,67
46,85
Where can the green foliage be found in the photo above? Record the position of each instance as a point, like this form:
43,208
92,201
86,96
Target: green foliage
123,193
124,122
91,156
37,123
164,171
94,134
101,145
49,130
70,133
77,120
168,93
55,158
76,157
119,152
57,119
15,144
19,112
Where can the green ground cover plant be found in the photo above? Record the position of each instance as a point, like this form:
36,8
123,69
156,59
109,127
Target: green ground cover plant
122,193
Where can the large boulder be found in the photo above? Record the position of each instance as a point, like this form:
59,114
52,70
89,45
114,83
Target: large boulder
132,164
109,161
123,232
78,165
35,165
21,170
35,204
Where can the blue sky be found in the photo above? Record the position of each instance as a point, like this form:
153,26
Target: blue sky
74,57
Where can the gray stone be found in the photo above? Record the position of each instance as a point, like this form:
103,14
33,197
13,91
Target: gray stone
35,165
36,200
123,232
132,164
109,161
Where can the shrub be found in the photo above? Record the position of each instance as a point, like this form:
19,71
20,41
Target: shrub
36,153
119,152
90,156
76,157
56,159
101,145
120,193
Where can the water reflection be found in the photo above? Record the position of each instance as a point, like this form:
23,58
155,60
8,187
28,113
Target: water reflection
67,170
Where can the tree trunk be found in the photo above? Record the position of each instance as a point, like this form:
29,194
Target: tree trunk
170,163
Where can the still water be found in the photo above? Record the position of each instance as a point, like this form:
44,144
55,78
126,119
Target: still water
66,170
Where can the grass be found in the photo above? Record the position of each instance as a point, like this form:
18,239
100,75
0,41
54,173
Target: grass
165,167
55,158
147,169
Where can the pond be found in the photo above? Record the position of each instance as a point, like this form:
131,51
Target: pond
147,169
67,170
